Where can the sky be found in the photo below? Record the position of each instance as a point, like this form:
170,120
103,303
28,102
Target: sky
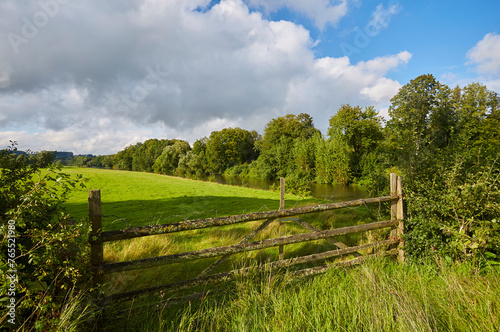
93,77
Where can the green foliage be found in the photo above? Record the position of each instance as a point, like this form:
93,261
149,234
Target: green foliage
304,158
168,161
457,213
478,118
361,130
51,249
290,127
287,148
445,142
421,123
338,156
142,156
229,147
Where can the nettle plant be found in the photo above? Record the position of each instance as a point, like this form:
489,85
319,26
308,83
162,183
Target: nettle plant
51,251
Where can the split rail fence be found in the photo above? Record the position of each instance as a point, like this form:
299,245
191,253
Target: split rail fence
98,237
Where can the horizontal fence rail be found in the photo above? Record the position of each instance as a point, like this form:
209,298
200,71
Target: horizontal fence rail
238,248
226,276
130,233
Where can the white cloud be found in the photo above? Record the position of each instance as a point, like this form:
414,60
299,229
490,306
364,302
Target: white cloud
110,74
484,58
334,81
322,12
383,90
485,55
381,18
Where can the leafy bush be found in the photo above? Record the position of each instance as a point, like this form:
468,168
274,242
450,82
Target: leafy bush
456,212
50,248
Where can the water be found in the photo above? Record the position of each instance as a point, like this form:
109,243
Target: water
333,193
337,193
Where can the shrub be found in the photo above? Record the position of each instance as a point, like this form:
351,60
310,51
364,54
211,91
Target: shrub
455,212
49,248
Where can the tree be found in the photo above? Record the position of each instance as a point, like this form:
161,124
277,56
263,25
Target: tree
168,161
229,147
337,157
360,130
124,158
146,153
42,158
478,117
421,122
281,137
141,156
447,142
289,127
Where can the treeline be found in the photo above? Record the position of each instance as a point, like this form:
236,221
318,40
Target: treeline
425,117
290,147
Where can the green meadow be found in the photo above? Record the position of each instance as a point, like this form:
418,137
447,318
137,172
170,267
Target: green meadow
137,198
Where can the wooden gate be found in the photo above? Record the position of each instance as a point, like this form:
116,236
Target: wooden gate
98,237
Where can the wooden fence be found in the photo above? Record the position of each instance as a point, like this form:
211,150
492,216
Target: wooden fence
98,237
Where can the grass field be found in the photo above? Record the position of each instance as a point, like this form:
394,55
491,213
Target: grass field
379,295
138,199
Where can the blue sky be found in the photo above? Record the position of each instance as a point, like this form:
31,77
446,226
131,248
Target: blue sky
95,76
438,34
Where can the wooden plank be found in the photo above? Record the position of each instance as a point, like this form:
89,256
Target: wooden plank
323,268
330,254
96,245
394,204
289,219
246,239
237,248
333,241
130,233
226,276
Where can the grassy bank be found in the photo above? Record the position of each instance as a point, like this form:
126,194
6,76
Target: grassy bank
377,296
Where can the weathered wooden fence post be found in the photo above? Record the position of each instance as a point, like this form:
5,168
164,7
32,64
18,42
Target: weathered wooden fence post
400,215
398,212
282,207
394,191
96,245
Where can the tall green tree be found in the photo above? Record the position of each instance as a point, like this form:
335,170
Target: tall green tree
338,154
124,158
421,122
289,127
360,130
478,117
168,161
229,147
446,142
281,137
146,153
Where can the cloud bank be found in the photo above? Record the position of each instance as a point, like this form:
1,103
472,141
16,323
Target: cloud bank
95,76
